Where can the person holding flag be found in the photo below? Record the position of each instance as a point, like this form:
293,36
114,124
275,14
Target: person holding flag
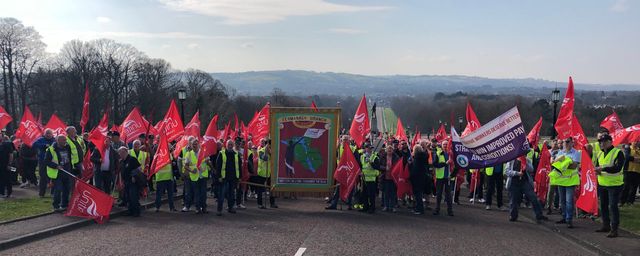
162,171
566,179
229,165
58,162
441,163
610,181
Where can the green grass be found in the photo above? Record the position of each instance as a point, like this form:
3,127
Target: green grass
630,218
391,119
19,208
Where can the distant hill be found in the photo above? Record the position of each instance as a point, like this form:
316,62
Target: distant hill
297,82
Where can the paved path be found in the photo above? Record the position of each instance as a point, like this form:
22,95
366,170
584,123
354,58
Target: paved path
304,224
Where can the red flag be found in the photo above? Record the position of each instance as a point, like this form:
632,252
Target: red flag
192,129
313,106
89,202
472,121
534,135
85,108
225,132
580,140
103,126
612,123
626,135
172,125
115,128
347,173
400,175
588,199
5,118
28,131
563,124
360,126
40,119
416,138
209,145
55,124
475,179
161,157
259,125
542,175
400,134
441,135
87,170
133,126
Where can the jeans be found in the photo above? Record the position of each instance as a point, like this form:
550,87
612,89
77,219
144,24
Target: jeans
370,196
516,190
44,179
161,186
134,199
631,183
417,195
566,202
443,185
227,190
390,196
189,193
61,189
494,183
609,198
103,181
201,193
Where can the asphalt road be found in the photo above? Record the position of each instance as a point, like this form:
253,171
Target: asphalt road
304,223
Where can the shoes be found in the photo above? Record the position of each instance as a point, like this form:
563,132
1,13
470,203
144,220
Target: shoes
263,207
513,219
241,206
204,211
173,210
185,209
604,229
326,208
613,233
384,209
157,209
418,213
232,211
450,214
219,213
393,210
502,208
23,185
481,200
549,212
569,224
543,218
274,206
436,213
198,211
488,207
563,221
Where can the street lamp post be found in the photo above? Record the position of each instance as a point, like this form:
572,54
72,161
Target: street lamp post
555,98
182,95
460,123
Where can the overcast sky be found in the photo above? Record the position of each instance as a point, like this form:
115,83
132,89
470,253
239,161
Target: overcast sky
595,41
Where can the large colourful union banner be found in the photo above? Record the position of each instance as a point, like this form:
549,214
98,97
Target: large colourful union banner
303,146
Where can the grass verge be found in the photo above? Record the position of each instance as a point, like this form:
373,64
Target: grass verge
18,208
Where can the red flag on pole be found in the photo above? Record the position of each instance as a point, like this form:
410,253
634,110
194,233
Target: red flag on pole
89,202
87,170
39,121
28,131
580,140
400,175
400,133
259,125
161,157
192,129
626,135
416,138
133,126
588,199
612,123
360,126
209,144
472,120
103,126
563,124
475,179
85,108
57,125
172,125
5,118
225,132
534,135
542,175
347,173
441,135
313,106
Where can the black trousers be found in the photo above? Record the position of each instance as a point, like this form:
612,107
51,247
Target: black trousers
261,190
29,171
370,189
631,183
494,183
443,185
6,187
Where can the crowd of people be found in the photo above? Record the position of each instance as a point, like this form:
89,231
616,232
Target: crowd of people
432,173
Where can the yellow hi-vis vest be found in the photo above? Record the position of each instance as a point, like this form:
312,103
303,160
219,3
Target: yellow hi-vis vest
165,173
223,172
141,157
341,150
441,159
263,165
488,171
606,179
52,173
369,173
75,158
202,172
562,176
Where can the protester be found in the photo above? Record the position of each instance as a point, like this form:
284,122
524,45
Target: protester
188,189
369,163
610,180
58,160
441,163
229,166
41,144
164,179
520,183
417,176
198,176
632,179
264,174
140,155
105,167
6,156
495,180
131,175
336,194
28,156
566,180
387,161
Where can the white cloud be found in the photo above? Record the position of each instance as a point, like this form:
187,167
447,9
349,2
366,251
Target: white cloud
102,19
620,6
193,46
349,31
247,45
239,12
